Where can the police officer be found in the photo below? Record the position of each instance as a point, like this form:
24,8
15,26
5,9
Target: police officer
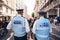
41,27
19,26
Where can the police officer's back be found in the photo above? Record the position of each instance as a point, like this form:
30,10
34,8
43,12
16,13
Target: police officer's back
20,26
41,27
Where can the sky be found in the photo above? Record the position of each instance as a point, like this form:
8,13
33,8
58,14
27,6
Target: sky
30,6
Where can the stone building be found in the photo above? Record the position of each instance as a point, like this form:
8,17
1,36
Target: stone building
38,6
52,7
7,8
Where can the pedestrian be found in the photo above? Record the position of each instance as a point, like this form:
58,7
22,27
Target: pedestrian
58,19
4,25
30,21
55,21
51,20
35,19
19,26
41,27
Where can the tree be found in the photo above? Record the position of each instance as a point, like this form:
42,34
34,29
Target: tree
33,15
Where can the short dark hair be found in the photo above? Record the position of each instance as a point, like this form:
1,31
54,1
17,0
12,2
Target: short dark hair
19,11
42,13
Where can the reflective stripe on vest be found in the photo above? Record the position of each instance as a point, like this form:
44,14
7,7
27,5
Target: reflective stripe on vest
19,32
43,36
43,28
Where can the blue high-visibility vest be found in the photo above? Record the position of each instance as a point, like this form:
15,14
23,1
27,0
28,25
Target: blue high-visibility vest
18,26
42,29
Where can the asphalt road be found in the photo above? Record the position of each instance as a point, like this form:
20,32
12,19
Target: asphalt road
54,35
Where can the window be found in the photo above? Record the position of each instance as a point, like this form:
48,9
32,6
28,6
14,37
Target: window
0,12
37,2
0,7
1,1
50,1
7,1
6,9
11,11
46,1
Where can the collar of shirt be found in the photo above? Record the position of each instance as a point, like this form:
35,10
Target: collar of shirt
18,15
41,17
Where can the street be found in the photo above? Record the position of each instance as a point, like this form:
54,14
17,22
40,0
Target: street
54,35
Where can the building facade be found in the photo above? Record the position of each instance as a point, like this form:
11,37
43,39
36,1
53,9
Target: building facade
38,6
52,7
7,8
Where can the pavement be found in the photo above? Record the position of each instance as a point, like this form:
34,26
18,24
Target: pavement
55,34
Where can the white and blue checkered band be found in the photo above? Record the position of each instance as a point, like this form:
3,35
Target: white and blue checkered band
44,24
17,22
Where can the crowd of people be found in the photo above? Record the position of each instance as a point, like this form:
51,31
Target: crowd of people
3,24
55,21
